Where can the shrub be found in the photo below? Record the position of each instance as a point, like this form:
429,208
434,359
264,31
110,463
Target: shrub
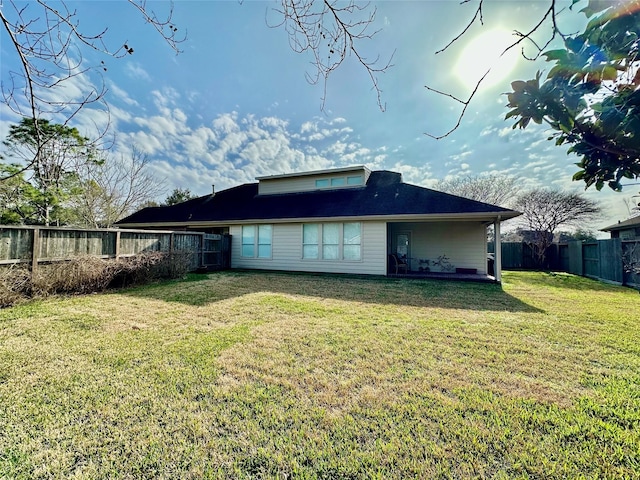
15,284
149,266
87,274
84,274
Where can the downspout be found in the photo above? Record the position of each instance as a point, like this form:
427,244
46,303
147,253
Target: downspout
497,265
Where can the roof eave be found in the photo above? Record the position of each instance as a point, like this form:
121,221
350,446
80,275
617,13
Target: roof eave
432,217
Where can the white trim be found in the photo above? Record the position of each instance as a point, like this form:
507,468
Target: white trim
315,172
437,217
497,261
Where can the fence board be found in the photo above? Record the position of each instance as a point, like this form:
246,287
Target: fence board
53,244
563,257
574,249
591,260
15,245
602,259
610,255
136,242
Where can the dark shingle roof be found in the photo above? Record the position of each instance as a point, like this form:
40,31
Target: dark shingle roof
384,195
631,222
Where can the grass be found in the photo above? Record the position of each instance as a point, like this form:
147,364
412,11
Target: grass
258,375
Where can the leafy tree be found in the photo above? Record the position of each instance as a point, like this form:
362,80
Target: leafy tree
545,210
494,189
179,195
591,95
18,198
50,156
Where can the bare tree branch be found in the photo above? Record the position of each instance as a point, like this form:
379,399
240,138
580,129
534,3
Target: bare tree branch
113,189
493,189
331,33
49,44
476,17
550,15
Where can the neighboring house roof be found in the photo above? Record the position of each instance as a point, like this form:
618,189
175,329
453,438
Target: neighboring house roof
384,195
629,223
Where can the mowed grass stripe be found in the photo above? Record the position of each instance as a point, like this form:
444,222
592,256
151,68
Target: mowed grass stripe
265,375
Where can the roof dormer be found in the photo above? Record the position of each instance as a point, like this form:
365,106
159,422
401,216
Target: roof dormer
335,178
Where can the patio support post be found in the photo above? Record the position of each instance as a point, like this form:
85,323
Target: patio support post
497,263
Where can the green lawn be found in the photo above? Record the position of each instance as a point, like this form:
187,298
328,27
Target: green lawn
262,375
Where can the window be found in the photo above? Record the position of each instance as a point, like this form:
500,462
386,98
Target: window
310,240
627,234
264,241
351,241
332,241
248,240
259,243
334,182
355,180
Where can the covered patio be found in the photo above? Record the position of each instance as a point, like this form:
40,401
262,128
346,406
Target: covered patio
444,248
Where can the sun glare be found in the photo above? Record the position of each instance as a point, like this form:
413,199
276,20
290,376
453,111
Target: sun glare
482,53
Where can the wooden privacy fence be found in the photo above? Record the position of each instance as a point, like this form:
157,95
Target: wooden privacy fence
36,245
602,259
521,256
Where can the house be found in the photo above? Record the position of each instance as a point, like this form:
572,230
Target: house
626,230
343,220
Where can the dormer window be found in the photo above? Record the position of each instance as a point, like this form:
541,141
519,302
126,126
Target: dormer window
335,178
337,182
354,180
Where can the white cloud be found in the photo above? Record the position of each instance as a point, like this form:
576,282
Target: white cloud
226,123
231,149
308,127
417,175
135,71
122,95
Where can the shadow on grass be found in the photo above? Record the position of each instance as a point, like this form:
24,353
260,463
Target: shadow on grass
201,290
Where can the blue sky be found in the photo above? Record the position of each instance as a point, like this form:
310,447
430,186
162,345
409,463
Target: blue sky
235,104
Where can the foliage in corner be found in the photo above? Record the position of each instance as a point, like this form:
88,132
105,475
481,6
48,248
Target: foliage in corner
591,95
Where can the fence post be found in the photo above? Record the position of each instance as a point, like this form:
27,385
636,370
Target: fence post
117,252
202,249
35,250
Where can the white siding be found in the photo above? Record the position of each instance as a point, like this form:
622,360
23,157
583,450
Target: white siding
464,243
305,183
287,252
